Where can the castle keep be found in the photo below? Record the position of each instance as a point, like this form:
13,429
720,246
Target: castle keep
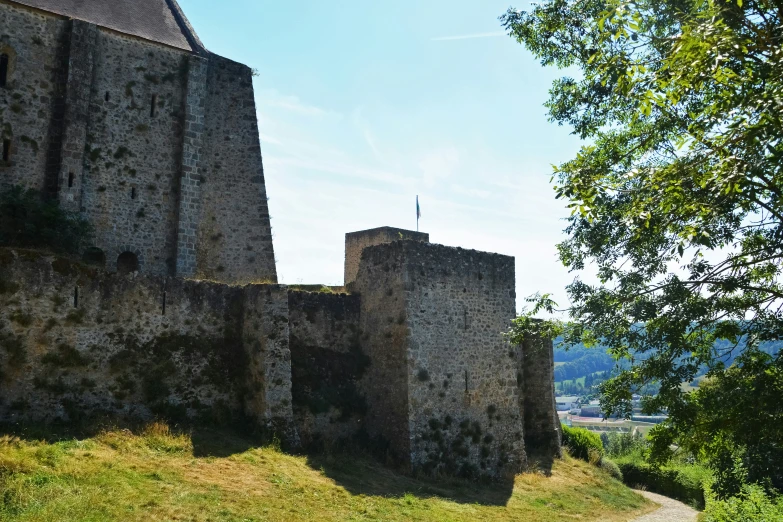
118,111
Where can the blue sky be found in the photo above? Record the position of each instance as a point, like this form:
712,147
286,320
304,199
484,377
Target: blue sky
363,105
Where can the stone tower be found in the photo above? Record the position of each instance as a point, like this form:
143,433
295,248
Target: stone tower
116,109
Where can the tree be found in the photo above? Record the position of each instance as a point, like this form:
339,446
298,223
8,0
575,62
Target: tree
676,199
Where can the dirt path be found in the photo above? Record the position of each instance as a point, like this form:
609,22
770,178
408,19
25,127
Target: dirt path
670,511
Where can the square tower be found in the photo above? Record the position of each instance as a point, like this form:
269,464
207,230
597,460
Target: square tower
443,385
355,242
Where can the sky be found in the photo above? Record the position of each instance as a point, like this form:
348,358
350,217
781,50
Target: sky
364,105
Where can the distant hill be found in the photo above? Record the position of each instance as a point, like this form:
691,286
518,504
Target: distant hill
579,361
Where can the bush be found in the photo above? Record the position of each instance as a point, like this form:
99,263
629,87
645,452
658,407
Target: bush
612,468
27,220
583,444
622,444
685,483
751,505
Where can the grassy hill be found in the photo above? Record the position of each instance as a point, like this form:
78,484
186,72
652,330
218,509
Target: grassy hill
160,475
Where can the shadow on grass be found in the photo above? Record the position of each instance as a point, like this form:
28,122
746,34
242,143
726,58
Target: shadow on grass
357,471
363,475
216,443
207,441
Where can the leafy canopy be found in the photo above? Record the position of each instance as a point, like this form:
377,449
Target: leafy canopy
676,200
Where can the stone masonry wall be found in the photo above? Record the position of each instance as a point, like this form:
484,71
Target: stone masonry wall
77,103
463,400
158,148
381,286
32,40
133,156
234,241
192,168
266,336
327,363
78,342
356,242
537,397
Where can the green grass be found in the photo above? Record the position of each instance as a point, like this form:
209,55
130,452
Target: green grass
580,381
160,475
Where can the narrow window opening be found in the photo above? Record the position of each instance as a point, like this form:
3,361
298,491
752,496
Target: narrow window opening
153,105
466,319
466,381
3,69
106,97
133,192
6,150
70,180
163,308
76,297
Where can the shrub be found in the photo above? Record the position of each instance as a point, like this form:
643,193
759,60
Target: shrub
751,505
28,220
684,483
583,444
621,444
612,468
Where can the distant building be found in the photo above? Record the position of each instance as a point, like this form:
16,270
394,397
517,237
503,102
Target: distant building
566,403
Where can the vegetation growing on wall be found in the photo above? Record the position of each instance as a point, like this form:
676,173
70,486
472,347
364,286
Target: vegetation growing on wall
28,220
325,379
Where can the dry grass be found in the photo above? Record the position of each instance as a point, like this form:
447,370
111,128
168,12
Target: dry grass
161,475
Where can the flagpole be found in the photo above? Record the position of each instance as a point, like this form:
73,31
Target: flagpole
417,213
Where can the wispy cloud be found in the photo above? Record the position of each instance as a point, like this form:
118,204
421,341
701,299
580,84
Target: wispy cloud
272,98
466,191
468,36
369,137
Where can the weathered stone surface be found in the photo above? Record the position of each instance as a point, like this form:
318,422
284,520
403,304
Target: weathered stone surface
157,146
76,342
356,242
436,317
327,366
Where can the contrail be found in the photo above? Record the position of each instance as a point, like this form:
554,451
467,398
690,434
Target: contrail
467,36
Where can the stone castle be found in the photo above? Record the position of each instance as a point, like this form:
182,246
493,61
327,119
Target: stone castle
118,111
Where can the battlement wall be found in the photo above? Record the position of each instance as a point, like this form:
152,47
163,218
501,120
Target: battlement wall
327,366
77,342
355,242
434,319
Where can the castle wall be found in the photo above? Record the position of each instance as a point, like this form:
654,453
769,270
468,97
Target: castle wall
81,65
463,402
132,158
537,397
33,41
78,342
266,335
356,242
234,241
381,285
157,147
327,365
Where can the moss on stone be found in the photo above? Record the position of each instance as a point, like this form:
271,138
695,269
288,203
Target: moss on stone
65,356
15,348
75,317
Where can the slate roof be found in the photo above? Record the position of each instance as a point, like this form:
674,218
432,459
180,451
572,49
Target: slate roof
160,21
